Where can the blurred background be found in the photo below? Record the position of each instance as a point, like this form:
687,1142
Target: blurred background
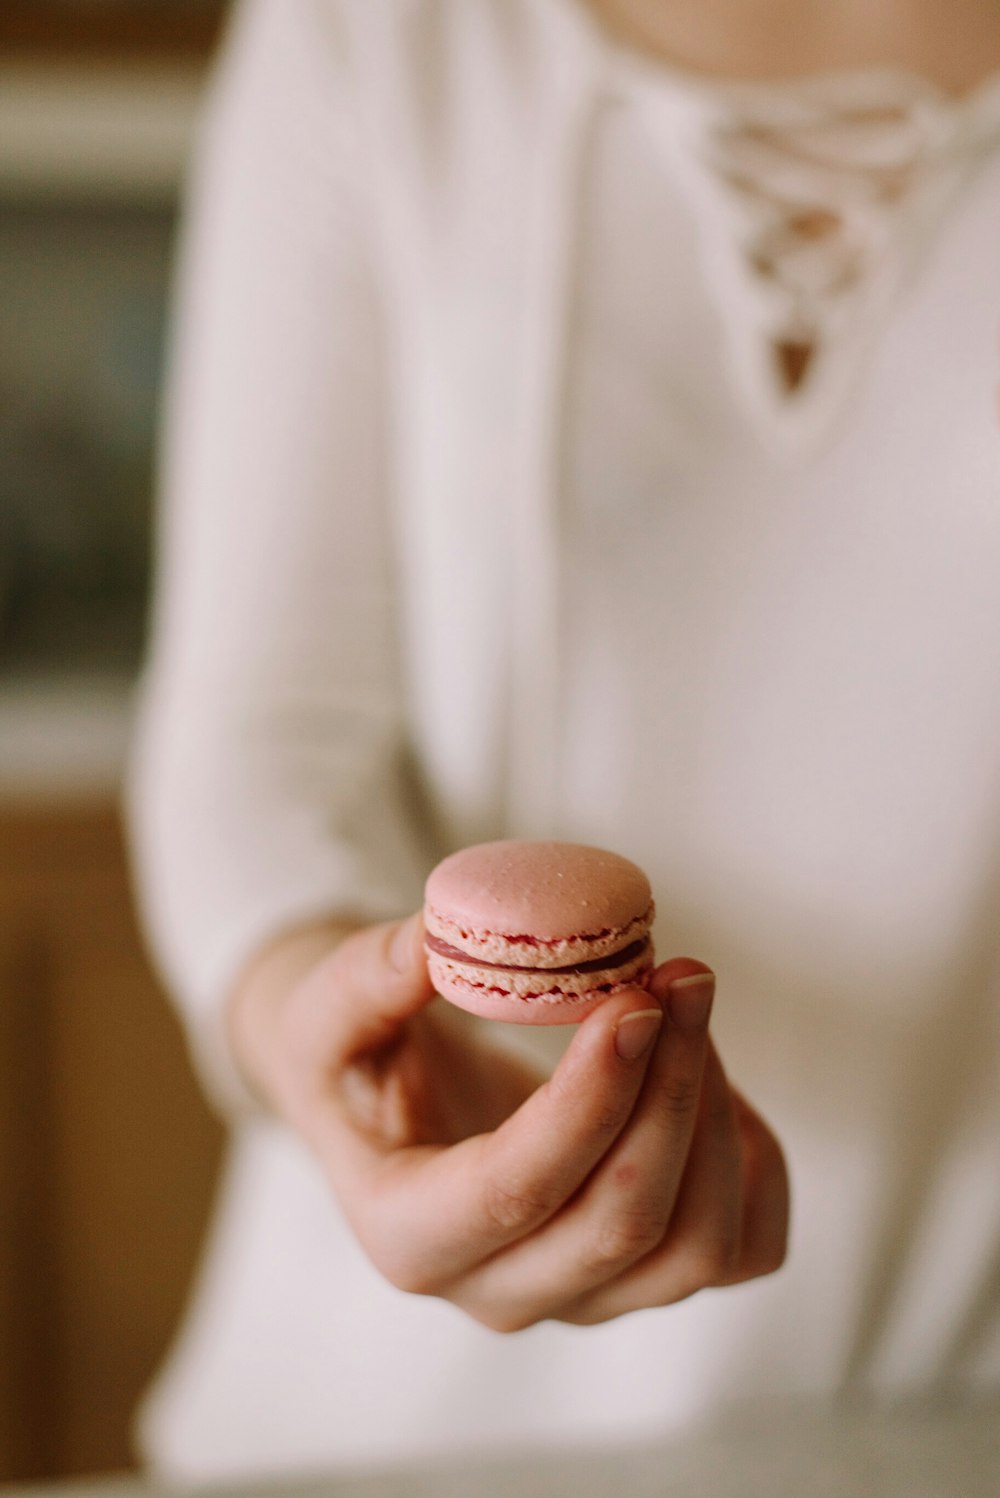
107,1154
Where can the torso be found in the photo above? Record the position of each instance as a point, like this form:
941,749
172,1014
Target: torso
778,693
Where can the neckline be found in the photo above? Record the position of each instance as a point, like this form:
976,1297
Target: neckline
683,108
860,83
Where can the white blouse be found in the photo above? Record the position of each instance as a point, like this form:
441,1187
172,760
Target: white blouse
489,510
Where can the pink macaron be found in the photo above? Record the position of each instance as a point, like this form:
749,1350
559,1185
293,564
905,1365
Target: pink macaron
538,933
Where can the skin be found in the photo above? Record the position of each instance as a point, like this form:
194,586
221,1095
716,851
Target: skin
636,1175
953,43
631,1178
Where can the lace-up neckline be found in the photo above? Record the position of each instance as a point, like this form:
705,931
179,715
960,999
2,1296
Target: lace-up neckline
814,200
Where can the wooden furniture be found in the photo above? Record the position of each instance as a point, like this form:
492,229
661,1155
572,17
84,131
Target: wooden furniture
107,1153
111,29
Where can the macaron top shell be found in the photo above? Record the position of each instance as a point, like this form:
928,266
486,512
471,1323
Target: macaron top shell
545,902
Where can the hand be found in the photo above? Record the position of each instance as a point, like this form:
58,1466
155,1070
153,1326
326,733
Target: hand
633,1177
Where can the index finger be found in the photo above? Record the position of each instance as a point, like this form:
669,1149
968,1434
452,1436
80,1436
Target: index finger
462,1203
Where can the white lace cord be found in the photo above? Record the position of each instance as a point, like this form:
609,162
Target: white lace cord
814,205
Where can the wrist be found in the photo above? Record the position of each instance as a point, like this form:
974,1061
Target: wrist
255,1007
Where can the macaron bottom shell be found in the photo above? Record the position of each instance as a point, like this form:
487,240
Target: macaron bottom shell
525,997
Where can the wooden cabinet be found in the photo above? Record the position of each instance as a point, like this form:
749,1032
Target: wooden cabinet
110,29
108,1154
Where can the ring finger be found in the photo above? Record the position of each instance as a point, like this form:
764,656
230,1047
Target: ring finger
701,1247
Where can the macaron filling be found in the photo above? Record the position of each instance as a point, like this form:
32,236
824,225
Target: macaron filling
480,943
609,963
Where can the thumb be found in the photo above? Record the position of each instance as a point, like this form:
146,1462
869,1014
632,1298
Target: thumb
362,997
381,975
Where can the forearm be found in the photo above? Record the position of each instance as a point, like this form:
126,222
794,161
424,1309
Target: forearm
271,718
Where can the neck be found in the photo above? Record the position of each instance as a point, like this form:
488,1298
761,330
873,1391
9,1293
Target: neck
953,43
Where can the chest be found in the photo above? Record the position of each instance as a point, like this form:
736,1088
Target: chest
798,653
809,638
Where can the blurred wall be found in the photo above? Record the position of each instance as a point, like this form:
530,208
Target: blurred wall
107,1153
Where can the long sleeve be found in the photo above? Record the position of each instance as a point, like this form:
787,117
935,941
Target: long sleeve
268,780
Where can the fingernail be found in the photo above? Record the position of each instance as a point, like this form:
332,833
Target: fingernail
401,948
689,1000
636,1033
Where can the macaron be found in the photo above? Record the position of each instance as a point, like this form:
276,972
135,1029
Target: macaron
538,933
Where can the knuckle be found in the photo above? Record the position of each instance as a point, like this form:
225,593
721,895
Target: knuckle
724,1250
503,1320
513,1207
679,1097
402,1272
700,1267
773,1260
399,1262
608,1120
409,1280
590,1316
623,1237
719,1112
715,1259
604,1116
769,1259
723,1260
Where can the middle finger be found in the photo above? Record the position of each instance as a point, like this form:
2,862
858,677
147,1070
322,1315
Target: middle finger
622,1212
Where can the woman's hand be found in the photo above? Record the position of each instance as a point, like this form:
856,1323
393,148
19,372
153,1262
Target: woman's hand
632,1177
